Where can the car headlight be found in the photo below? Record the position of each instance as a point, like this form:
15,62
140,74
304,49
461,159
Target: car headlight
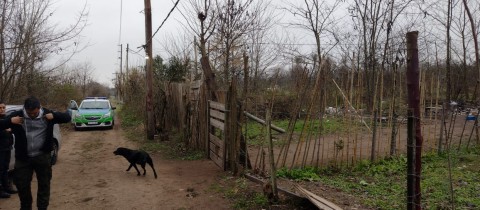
77,115
107,114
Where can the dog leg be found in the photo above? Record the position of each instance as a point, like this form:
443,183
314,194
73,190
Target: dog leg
143,167
135,166
154,172
129,167
150,162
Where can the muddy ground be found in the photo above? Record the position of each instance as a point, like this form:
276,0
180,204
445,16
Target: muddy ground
89,176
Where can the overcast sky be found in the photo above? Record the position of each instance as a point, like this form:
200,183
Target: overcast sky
109,26
103,31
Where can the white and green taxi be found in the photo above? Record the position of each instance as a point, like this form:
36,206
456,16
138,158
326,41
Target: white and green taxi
93,112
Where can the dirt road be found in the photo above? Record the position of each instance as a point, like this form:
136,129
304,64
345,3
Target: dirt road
89,176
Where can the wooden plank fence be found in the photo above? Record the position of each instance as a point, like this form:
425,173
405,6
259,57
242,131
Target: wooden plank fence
216,140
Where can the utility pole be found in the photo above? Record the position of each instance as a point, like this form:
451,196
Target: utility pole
195,72
120,89
126,62
149,70
125,77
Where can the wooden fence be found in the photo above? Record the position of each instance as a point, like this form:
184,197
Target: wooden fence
214,127
206,125
216,140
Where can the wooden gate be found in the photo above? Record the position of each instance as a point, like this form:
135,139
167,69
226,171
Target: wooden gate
216,134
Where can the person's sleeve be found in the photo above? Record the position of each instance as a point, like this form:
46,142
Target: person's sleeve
5,123
61,117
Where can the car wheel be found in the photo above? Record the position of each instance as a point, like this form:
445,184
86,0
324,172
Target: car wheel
54,153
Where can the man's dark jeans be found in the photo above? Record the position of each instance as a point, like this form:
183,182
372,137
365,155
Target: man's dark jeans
22,178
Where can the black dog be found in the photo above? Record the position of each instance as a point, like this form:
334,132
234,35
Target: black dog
135,157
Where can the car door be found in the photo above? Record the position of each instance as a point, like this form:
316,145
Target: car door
72,109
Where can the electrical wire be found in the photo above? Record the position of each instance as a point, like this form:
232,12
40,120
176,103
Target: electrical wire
163,22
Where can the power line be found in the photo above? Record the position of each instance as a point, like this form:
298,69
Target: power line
168,15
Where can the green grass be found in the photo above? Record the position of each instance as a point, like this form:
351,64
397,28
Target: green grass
382,185
240,193
256,131
306,174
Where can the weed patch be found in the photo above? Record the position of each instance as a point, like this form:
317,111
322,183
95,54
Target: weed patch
382,184
241,194
255,131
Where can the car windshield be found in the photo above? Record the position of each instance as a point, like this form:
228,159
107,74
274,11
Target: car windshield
94,105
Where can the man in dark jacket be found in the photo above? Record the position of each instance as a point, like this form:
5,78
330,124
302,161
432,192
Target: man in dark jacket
33,130
6,143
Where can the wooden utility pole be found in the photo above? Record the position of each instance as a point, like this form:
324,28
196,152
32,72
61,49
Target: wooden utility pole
195,71
125,76
120,89
126,62
149,70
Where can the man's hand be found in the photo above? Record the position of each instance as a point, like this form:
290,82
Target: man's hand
16,120
49,116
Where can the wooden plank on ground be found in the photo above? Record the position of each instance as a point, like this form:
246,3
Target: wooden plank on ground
216,105
286,192
318,201
217,114
217,124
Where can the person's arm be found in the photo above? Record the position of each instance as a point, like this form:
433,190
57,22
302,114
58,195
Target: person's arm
58,117
4,123
7,122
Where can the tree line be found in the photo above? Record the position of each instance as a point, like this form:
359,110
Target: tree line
29,41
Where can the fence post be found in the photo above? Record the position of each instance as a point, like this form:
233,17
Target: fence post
231,128
410,161
273,171
414,105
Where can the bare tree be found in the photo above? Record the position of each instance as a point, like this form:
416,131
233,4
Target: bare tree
82,75
235,19
317,17
371,16
27,40
201,10
261,42
475,40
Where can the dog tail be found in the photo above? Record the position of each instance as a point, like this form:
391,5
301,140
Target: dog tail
150,162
